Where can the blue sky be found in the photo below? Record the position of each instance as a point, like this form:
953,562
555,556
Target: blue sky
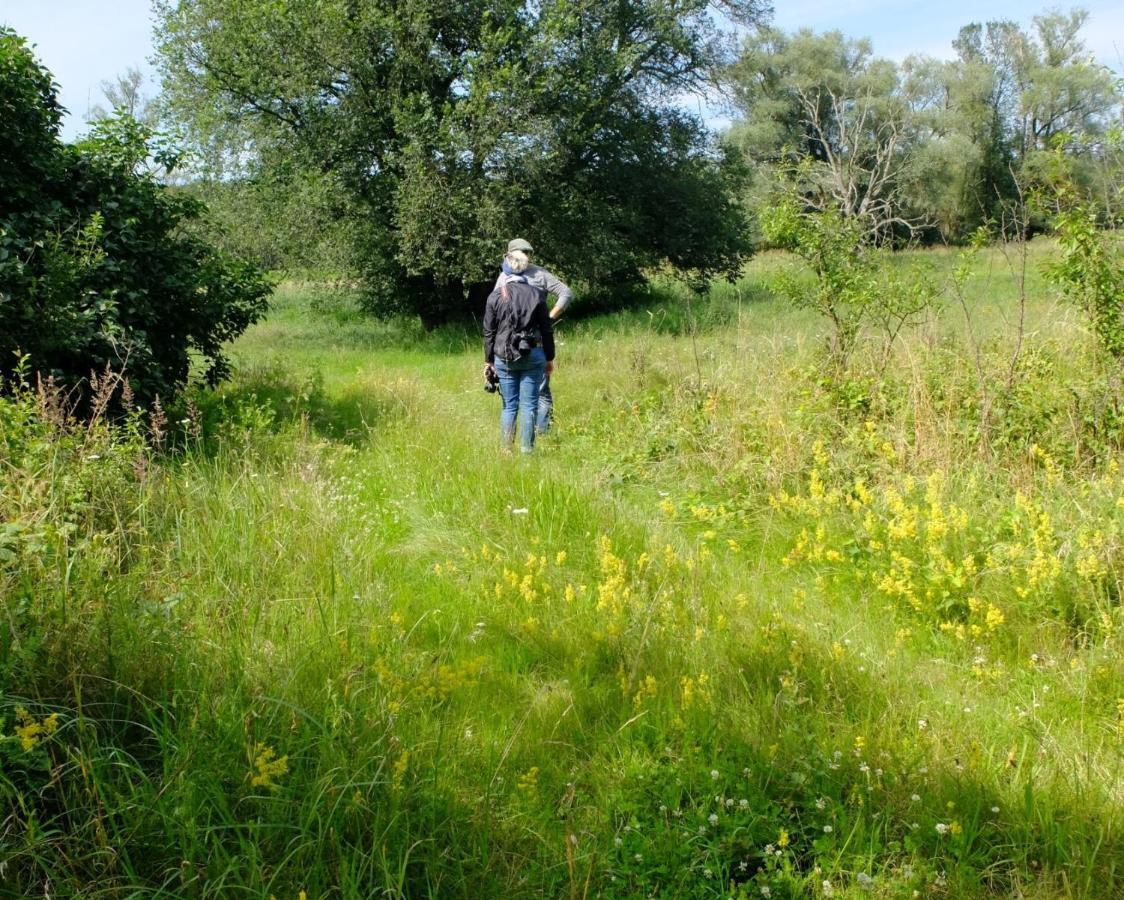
85,42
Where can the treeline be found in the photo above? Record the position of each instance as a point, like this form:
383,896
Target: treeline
930,149
404,144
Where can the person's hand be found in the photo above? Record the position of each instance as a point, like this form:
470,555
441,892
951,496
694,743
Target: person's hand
550,367
555,314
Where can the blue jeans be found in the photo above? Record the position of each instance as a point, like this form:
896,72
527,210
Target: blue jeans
519,390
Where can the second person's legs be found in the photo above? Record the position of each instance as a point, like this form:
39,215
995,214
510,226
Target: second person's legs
545,408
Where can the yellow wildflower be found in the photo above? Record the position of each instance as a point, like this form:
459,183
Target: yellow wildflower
31,731
529,780
268,766
995,617
401,765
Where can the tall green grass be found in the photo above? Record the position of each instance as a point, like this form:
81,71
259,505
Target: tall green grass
338,643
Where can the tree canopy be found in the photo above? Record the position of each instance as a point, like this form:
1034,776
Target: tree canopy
453,127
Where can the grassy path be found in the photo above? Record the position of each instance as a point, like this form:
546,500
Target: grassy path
347,648
603,654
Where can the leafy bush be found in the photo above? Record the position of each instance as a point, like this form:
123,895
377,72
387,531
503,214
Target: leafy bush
96,266
853,285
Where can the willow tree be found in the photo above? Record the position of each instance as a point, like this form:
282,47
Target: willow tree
450,127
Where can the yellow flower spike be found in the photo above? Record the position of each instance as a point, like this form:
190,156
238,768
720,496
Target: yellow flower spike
995,617
31,731
529,780
401,766
819,453
268,767
649,687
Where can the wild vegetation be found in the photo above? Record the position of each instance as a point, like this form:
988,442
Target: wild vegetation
741,628
814,590
97,267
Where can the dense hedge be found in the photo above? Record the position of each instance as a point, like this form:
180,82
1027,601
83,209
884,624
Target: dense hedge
96,267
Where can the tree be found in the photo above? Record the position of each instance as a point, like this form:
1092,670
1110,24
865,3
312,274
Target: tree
826,99
451,127
96,267
124,95
1046,91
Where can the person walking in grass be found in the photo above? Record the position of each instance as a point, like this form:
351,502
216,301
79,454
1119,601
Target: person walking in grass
550,284
518,348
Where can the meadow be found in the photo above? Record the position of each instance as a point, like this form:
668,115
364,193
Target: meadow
742,626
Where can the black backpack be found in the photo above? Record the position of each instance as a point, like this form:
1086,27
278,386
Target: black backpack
518,301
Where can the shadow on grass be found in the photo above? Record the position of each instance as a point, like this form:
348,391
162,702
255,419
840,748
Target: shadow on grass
270,398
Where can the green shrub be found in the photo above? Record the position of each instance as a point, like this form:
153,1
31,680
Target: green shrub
96,267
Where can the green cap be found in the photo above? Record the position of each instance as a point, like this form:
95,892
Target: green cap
520,244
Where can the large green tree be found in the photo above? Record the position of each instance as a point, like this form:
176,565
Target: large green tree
847,122
1045,82
454,126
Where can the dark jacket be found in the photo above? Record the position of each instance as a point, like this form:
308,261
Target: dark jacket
516,309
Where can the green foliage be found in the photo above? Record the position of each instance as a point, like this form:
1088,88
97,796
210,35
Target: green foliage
832,248
448,130
848,116
853,284
289,220
1090,273
96,268
927,147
